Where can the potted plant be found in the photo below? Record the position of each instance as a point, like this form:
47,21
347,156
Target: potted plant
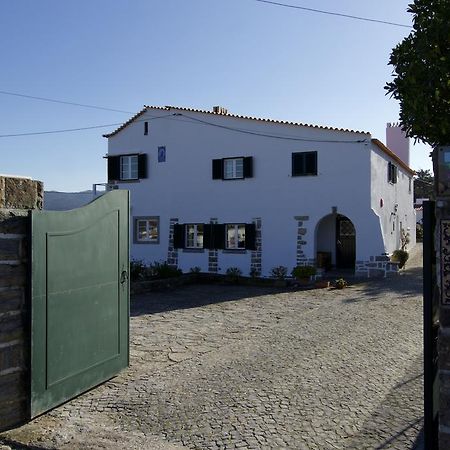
303,274
340,283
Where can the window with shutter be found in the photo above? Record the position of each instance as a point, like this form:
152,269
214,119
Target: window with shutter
232,168
127,167
392,173
304,163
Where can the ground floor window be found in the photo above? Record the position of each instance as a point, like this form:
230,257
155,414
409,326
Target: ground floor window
194,235
146,230
235,236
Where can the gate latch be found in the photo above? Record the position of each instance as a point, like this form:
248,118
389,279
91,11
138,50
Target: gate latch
123,276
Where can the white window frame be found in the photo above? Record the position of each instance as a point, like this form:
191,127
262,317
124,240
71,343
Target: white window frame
129,167
233,162
196,243
235,246
149,223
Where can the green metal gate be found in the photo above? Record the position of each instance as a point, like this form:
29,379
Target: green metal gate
79,299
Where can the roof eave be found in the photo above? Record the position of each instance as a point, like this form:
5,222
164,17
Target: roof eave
392,155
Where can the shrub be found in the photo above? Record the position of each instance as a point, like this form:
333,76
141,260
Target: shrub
279,272
138,270
419,233
340,283
163,270
234,273
400,256
195,269
254,272
303,271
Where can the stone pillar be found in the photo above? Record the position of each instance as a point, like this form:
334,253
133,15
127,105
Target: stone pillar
172,253
17,197
213,254
256,263
302,260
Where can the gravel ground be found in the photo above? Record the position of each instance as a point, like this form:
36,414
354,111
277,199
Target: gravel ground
218,367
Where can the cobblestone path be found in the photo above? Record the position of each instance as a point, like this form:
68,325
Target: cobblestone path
218,367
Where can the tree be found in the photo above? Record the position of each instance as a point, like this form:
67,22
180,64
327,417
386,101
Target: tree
423,184
422,73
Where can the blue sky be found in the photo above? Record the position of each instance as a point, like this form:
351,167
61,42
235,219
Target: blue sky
253,58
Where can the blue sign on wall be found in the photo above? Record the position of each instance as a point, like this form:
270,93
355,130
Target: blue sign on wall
161,154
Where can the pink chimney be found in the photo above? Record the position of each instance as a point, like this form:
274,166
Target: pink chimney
397,141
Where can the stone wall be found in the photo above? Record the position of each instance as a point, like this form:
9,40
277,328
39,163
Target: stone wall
17,197
378,267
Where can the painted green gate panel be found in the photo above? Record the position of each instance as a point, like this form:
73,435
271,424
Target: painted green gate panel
80,298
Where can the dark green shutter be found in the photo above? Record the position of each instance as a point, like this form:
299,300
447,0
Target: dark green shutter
297,164
113,168
218,235
178,235
207,236
142,166
248,167
311,163
250,236
217,169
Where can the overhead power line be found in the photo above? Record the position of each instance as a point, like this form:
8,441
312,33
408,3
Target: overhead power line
68,130
192,120
273,136
52,100
331,13
71,130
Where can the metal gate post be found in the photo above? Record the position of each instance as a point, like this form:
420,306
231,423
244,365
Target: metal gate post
430,327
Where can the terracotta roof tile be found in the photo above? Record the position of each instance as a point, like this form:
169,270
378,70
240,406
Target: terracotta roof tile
236,116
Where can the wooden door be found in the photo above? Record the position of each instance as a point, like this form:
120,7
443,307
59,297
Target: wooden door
345,243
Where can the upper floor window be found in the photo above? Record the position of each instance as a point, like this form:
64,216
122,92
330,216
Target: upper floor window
146,230
232,168
304,163
194,235
127,167
392,173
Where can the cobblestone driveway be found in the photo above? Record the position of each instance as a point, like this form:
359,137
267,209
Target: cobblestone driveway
216,367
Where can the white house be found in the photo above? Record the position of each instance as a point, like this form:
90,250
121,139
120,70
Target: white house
218,190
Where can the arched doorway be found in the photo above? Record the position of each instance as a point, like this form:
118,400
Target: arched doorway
336,242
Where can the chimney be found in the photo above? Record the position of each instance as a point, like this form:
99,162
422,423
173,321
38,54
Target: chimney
219,110
397,141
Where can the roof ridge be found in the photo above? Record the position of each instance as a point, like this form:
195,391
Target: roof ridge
227,114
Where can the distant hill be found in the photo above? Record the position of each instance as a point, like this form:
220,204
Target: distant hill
62,201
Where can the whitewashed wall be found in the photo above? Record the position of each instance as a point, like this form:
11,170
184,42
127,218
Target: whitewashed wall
401,193
183,188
